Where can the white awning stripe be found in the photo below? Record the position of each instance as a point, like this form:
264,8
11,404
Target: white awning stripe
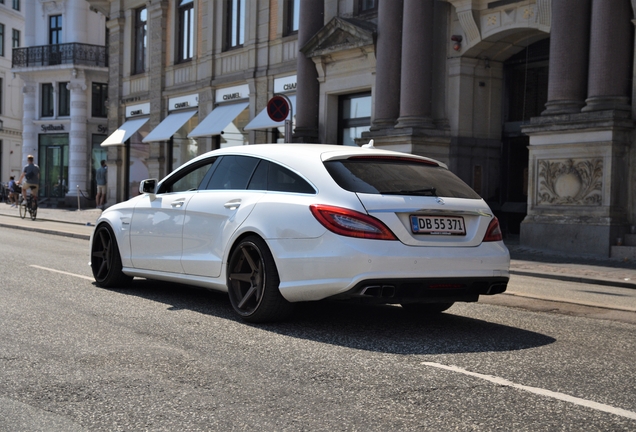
169,126
124,132
218,119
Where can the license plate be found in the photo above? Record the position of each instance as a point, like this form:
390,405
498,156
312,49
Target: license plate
438,225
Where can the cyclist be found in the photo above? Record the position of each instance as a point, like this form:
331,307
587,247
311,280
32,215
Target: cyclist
31,176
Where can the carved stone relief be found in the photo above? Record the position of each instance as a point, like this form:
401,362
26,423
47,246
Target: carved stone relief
570,182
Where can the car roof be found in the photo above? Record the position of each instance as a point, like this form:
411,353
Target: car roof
295,154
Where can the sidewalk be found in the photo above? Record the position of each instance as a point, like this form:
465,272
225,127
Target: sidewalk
524,261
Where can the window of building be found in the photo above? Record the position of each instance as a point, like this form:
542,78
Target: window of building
140,41
2,40
185,44
235,23
292,19
365,6
55,29
63,100
1,94
16,5
47,100
100,95
16,39
354,117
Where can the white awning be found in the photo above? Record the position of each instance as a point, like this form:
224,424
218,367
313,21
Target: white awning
125,131
262,120
169,126
218,119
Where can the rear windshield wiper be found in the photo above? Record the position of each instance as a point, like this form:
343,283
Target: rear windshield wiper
431,191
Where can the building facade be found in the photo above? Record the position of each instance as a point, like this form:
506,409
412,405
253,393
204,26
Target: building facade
11,36
530,102
63,64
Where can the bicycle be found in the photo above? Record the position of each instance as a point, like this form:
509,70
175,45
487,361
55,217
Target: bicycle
31,204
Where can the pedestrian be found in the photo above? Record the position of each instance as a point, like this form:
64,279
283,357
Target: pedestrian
31,176
13,191
101,177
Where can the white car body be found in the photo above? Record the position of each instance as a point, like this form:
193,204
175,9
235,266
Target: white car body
188,236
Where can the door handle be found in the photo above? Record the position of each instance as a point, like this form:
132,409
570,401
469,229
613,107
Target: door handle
177,204
233,204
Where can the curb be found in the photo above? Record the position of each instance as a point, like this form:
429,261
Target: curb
579,279
48,231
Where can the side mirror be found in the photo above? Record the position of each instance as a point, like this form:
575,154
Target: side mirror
148,186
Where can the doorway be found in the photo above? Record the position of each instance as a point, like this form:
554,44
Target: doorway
526,87
53,161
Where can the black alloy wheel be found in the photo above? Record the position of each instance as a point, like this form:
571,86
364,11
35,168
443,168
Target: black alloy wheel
252,282
106,261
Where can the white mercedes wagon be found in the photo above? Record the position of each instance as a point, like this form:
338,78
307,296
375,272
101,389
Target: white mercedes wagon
277,224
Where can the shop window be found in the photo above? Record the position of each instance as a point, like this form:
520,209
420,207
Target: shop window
55,29
64,100
292,17
98,100
140,41
47,100
185,44
235,25
354,113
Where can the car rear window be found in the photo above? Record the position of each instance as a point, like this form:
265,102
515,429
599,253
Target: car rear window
397,176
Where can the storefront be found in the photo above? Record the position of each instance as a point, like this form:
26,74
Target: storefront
136,153
226,123
53,156
174,129
285,86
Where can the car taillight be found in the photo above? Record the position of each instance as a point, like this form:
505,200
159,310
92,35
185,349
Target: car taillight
493,233
350,223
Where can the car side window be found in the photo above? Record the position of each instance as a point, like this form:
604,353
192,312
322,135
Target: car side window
190,178
273,177
232,172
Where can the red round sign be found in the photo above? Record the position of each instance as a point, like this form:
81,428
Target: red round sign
278,108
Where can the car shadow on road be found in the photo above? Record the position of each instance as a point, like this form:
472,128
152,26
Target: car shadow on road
378,328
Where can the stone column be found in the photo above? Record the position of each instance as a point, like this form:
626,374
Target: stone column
77,148
610,54
387,75
157,31
29,132
417,59
311,16
569,52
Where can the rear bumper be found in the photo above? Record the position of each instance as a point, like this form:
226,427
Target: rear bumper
424,290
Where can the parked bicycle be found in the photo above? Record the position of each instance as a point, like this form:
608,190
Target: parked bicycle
31,204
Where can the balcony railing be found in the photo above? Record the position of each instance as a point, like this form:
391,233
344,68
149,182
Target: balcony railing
69,53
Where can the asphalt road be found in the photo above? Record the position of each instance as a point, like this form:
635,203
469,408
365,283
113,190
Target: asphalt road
164,357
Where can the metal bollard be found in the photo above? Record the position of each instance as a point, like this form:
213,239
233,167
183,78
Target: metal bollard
78,198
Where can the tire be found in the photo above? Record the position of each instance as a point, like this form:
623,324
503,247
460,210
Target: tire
34,210
22,209
106,260
426,308
252,283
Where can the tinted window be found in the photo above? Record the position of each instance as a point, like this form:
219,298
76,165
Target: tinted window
397,177
273,177
233,172
190,178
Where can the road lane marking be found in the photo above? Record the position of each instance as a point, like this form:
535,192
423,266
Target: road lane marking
539,391
62,272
